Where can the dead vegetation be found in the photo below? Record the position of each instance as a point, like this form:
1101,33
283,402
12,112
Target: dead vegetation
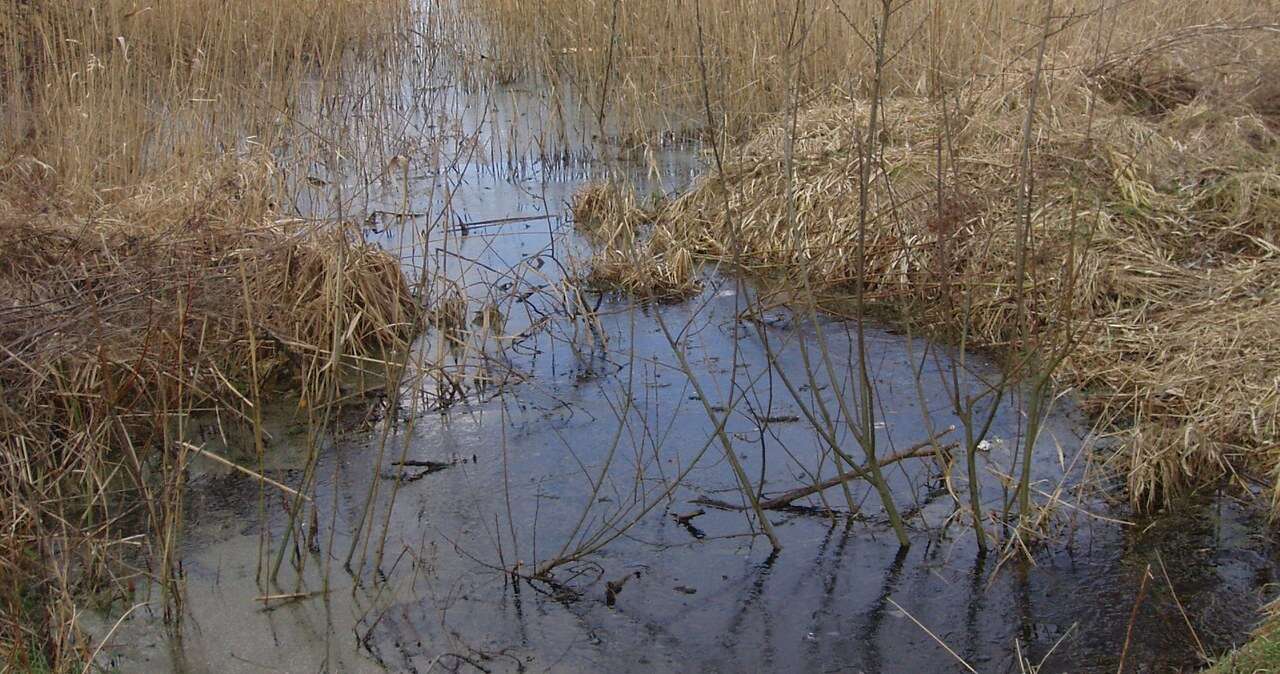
628,256
655,69
114,91
149,277
123,322
1154,246
1153,155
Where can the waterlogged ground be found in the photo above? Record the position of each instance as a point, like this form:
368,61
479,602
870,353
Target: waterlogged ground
565,432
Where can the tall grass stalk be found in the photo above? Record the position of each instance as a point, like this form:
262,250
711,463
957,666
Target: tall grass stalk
150,283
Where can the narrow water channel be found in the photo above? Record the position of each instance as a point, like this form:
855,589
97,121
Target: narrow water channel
576,430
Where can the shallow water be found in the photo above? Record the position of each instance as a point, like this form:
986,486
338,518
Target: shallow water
583,438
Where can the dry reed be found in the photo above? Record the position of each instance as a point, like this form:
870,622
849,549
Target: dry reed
1155,246
110,91
627,257
147,275
640,63
1154,227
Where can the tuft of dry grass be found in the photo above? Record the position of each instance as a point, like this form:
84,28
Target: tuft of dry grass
661,274
628,256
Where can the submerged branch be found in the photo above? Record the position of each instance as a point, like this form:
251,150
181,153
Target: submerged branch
920,450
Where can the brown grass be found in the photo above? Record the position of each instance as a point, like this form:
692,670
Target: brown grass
148,277
655,65
110,91
1155,155
627,256
1155,242
120,321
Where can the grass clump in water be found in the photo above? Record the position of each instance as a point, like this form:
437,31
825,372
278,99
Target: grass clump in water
629,256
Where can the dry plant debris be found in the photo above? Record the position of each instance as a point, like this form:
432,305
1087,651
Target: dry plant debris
1155,239
120,320
146,274
627,256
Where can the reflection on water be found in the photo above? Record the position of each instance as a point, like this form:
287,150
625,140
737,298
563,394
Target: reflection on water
586,442
524,467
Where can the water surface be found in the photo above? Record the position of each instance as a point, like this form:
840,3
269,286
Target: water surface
565,430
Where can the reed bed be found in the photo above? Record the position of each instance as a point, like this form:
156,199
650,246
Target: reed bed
112,91
150,281
1154,157
628,256
657,70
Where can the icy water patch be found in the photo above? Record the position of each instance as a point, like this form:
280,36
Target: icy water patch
571,430
588,448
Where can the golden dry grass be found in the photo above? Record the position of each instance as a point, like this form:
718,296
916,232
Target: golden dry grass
1155,241
110,91
121,320
1156,190
1155,161
655,66
627,256
148,276
145,273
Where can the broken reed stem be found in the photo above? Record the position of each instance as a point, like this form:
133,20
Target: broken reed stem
933,636
241,469
259,447
1133,618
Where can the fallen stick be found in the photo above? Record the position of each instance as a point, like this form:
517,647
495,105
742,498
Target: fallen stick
688,517
778,419
287,598
917,451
